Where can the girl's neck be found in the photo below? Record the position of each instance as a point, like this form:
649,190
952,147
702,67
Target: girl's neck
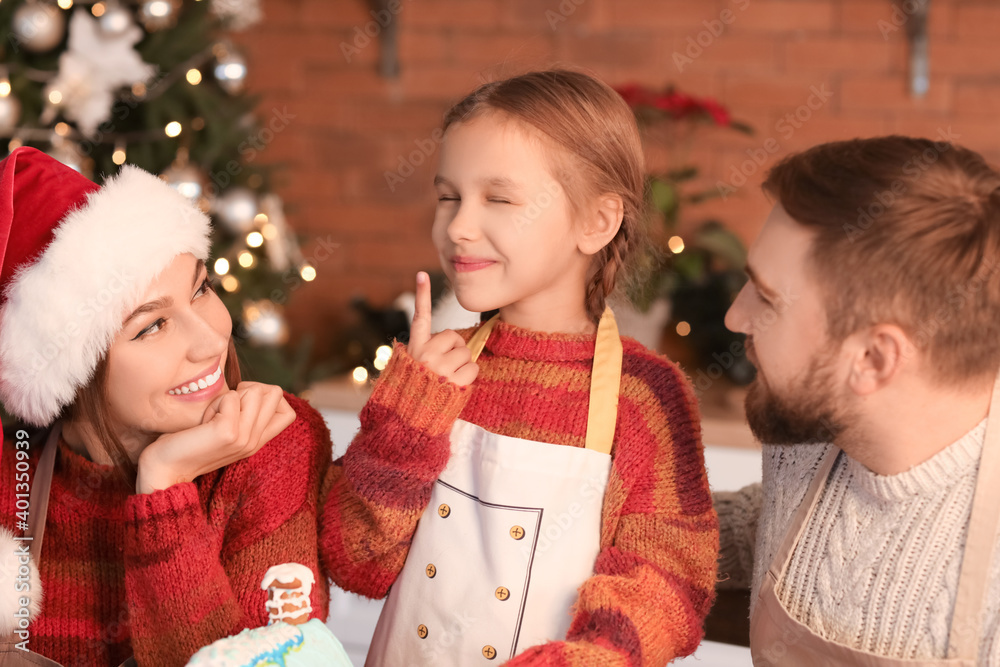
559,319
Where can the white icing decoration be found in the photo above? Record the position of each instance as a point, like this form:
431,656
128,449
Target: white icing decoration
287,573
297,597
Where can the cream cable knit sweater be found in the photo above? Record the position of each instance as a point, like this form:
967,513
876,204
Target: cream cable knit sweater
877,566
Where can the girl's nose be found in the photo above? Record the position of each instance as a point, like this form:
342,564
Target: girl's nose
462,226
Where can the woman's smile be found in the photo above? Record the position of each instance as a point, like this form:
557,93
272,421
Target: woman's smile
200,388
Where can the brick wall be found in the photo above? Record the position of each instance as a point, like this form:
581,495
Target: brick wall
770,61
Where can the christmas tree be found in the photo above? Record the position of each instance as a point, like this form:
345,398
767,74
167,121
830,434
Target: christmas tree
156,83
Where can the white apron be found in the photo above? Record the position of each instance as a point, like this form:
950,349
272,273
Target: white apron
511,532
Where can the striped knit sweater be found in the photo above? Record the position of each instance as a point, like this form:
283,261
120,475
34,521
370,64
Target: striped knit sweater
654,578
163,574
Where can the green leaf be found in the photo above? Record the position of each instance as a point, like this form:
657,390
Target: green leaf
664,197
722,243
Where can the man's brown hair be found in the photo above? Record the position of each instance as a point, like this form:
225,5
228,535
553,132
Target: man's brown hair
907,233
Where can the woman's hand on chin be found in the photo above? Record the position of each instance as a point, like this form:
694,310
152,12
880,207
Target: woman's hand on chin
235,425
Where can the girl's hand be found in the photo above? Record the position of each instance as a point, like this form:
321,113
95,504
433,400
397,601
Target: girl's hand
235,425
445,352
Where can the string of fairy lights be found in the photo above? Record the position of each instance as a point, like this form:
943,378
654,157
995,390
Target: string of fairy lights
99,69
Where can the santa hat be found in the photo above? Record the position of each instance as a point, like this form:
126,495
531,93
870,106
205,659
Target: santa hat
75,259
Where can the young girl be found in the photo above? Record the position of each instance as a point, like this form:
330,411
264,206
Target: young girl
174,486
534,487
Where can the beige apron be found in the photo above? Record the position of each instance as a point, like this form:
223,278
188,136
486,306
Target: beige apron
777,639
10,655
511,532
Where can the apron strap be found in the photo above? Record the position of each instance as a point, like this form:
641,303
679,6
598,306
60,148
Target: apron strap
39,497
605,381
801,516
984,527
605,384
478,340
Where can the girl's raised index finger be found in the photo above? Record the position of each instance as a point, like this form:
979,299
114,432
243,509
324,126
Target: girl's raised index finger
420,329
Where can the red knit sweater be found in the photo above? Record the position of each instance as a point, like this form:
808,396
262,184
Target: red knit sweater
163,574
654,578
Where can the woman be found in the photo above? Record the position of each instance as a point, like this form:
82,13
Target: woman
175,486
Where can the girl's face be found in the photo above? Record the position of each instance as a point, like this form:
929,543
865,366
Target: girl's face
504,227
176,341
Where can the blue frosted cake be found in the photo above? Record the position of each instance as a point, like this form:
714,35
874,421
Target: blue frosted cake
289,640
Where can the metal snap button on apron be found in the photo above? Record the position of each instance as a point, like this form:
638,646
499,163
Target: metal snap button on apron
422,631
500,493
431,570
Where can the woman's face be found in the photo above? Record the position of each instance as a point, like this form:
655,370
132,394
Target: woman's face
168,362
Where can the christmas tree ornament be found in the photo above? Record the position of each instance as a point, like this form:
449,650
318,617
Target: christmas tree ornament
115,20
186,178
158,14
275,232
230,69
38,26
237,15
10,112
67,152
264,323
93,67
236,208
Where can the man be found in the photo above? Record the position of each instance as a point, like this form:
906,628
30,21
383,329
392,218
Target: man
872,315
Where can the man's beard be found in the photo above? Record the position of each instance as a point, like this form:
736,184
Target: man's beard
807,413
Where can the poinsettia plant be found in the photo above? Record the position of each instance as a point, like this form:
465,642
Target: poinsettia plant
701,270
669,117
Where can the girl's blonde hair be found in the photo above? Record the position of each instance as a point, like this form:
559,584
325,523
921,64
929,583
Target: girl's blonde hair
597,131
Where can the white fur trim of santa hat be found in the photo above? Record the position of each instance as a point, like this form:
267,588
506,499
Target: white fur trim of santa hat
63,311
20,585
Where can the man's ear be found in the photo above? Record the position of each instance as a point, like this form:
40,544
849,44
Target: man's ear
600,224
878,355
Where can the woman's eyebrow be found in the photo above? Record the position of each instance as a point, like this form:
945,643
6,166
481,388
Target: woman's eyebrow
162,302
197,271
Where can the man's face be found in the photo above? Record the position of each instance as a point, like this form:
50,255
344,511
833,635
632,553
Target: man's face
796,396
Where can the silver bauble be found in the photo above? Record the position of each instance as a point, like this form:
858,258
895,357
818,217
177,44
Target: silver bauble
236,208
231,71
187,180
10,113
70,155
115,20
38,27
158,14
263,323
